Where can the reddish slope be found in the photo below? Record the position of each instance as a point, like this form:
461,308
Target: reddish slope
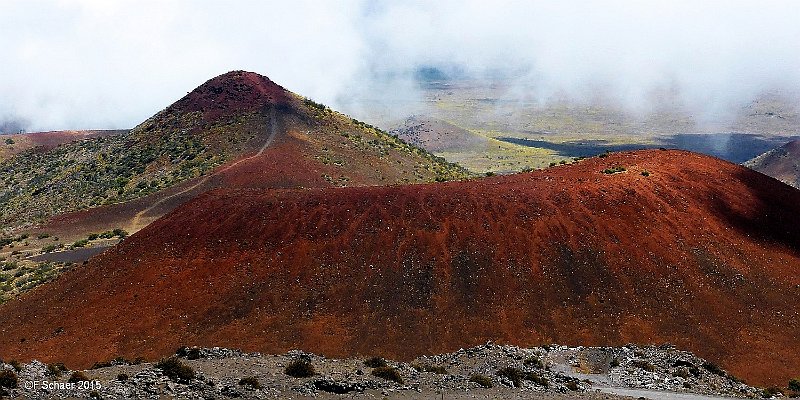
702,253
782,163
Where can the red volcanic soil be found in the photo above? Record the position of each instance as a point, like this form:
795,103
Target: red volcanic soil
232,93
701,253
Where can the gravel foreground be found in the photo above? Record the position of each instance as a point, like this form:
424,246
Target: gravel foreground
482,372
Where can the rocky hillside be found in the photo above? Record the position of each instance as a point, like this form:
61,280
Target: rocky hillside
782,163
486,371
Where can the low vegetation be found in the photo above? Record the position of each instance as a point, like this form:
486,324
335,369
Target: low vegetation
78,376
176,370
388,373
250,381
8,379
614,170
436,369
300,369
482,380
375,362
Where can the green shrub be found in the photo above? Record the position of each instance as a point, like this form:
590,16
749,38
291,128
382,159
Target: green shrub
645,173
375,362
8,379
489,173
794,385
388,373
251,381
93,236
175,370
122,377
553,164
77,376
614,363
300,369
614,170
9,141
482,380
80,243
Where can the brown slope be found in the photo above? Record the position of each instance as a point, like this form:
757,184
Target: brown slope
782,163
702,253
438,136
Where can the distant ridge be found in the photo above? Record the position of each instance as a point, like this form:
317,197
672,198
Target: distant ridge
782,163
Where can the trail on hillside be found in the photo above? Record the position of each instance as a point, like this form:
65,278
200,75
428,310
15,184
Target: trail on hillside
134,225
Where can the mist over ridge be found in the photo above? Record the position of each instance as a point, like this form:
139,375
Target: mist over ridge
91,64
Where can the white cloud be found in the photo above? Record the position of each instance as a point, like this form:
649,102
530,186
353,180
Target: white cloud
104,64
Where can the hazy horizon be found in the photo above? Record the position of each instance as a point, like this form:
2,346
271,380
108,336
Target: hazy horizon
83,64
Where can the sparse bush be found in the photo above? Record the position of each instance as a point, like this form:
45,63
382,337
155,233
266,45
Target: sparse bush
713,368
535,378
388,373
43,236
300,369
614,363
375,362
8,379
14,363
56,369
645,173
94,394
489,173
772,391
482,380
80,243
614,170
573,385
9,141
642,364
101,364
430,368
251,381
191,353
77,376
513,374
553,164
794,385
534,361
93,236
175,370
122,377
562,162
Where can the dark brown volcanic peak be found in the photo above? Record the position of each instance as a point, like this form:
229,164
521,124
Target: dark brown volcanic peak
232,92
701,253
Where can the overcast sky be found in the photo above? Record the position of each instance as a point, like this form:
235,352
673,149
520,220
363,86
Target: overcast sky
113,63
